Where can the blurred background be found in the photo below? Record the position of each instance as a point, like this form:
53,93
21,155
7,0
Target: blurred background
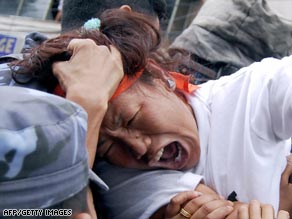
19,17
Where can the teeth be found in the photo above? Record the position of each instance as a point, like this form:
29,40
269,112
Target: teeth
178,157
159,154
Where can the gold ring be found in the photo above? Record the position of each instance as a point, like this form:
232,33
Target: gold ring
185,213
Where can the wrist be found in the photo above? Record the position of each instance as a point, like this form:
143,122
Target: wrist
94,102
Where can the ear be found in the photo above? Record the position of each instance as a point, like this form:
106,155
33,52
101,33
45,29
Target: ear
126,8
163,75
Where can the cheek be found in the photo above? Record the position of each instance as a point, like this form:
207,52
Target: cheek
121,157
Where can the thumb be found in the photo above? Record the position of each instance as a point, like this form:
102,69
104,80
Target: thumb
287,173
59,71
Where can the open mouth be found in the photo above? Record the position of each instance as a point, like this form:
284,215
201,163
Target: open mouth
171,156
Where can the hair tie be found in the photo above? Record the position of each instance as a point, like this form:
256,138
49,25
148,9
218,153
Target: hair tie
92,24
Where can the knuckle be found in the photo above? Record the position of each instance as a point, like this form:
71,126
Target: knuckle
195,202
267,206
206,209
208,217
174,201
89,42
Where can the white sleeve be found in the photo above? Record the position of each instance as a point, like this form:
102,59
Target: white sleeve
138,193
274,98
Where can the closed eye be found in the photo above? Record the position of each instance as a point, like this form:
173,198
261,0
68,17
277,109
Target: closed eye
130,121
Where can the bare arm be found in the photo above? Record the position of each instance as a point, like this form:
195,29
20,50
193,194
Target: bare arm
89,79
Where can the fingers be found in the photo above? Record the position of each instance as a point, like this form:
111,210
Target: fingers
221,211
76,45
90,67
283,215
60,74
267,212
176,202
195,205
209,206
243,212
254,210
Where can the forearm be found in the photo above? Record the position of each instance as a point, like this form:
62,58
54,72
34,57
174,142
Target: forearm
96,107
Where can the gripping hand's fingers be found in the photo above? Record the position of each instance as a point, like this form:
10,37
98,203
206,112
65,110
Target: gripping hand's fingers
176,203
209,206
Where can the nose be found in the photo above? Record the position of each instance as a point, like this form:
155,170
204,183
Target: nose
138,143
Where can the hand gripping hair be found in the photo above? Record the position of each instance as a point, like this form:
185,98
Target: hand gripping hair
131,33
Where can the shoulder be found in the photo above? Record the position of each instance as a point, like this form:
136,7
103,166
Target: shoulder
6,74
11,57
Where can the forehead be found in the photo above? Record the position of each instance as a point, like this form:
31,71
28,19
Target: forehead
131,96
140,93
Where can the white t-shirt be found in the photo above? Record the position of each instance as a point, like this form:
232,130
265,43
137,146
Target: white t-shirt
245,124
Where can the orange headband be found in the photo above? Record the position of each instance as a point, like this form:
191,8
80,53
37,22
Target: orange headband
126,82
181,81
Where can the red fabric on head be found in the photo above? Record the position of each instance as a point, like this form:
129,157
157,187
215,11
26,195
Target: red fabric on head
183,82
125,83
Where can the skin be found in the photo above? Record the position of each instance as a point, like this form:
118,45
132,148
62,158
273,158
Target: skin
82,216
80,87
201,205
255,210
122,120
134,133
286,187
